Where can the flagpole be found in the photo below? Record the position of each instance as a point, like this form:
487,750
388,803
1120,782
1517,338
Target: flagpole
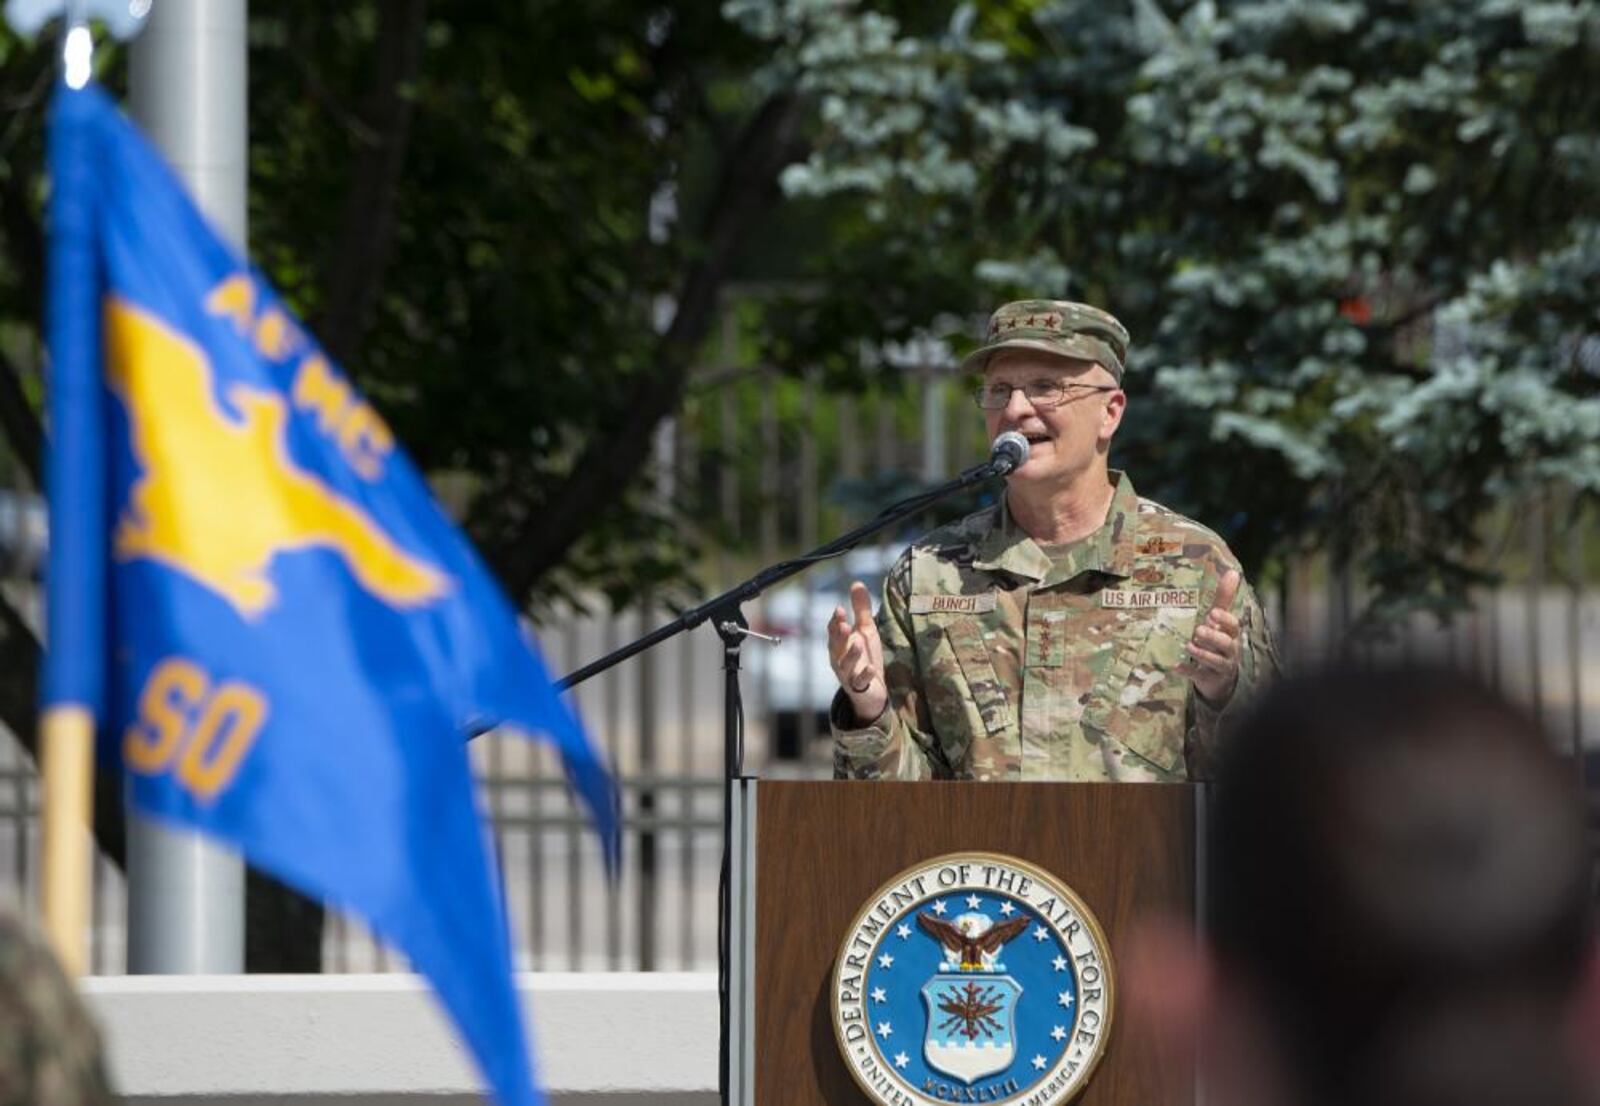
187,84
66,729
66,740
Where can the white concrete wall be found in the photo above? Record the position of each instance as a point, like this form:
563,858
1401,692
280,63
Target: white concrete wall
600,1039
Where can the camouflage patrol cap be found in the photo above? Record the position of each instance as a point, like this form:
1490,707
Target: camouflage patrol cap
1055,326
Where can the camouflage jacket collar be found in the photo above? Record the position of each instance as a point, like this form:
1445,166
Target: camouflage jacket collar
1110,549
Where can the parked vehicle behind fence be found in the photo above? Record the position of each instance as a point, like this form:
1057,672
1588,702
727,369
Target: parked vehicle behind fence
795,676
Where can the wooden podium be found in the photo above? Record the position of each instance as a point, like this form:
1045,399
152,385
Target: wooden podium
807,856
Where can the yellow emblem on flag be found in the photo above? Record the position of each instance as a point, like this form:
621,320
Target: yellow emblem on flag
220,496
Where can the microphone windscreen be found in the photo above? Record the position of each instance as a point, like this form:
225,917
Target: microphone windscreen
1010,449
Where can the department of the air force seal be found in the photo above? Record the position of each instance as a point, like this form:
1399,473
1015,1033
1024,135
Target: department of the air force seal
972,977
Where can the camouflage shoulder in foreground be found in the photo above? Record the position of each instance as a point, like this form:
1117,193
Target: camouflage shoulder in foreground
49,1048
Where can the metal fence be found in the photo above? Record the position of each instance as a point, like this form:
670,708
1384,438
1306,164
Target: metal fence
775,458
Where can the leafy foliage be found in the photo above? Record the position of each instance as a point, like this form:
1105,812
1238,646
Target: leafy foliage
558,159
1357,243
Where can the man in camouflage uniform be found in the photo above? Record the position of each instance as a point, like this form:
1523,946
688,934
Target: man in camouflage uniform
49,1049
1074,631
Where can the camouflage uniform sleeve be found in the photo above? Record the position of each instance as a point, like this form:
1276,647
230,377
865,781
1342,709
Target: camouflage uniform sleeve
895,745
49,1048
1258,666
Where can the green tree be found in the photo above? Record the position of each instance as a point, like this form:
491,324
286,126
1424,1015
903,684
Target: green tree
512,224
516,240
1357,243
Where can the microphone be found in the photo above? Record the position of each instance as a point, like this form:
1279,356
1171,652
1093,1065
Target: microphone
1008,453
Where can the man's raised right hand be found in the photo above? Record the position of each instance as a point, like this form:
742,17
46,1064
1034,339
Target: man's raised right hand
856,652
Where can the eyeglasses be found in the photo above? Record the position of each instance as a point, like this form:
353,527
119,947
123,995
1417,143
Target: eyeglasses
1040,393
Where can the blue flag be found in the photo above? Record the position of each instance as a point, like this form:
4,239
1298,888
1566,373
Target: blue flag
282,637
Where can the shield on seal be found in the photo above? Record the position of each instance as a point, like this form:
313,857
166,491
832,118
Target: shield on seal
971,1029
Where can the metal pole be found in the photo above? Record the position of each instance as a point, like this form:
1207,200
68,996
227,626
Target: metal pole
935,441
1575,635
187,78
1535,601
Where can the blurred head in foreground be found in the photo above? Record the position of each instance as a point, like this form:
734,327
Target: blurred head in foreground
1398,904
49,1047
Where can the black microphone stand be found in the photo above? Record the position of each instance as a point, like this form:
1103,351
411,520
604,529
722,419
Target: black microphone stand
726,615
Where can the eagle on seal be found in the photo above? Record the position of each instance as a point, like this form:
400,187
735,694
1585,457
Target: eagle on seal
965,947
